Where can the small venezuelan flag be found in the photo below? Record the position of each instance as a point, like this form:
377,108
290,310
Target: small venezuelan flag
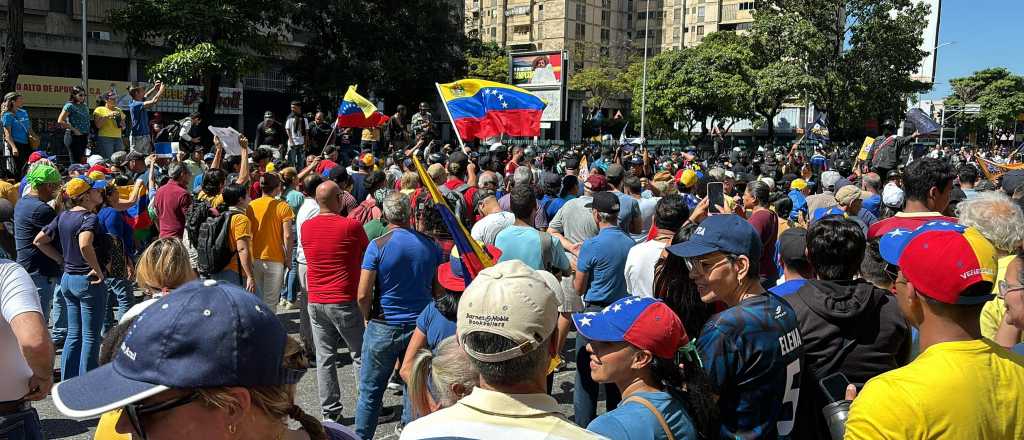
482,109
358,112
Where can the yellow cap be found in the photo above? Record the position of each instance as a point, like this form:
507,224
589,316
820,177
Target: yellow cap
798,184
688,178
270,167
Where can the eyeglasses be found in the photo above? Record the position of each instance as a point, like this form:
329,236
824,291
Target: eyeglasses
1005,288
136,411
701,267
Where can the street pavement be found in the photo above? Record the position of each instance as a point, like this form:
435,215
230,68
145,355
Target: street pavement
58,426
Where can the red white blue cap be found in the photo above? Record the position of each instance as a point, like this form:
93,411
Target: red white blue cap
646,323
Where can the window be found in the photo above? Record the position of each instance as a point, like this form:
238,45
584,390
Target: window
700,30
540,12
521,29
700,13
744,26
581,31
604,51
606,18
746,6
581,10
675,34
677,14
606,4
606,36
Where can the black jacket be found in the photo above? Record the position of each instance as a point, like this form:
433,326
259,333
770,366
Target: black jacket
850,327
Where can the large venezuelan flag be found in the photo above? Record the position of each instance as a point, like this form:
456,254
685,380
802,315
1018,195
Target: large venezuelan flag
482,109
358,112
473,256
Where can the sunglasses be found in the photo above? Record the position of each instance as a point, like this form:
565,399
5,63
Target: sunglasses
701,267
1005,288
136,412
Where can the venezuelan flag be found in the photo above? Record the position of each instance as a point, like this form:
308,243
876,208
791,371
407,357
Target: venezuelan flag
482,109
358,112
473,256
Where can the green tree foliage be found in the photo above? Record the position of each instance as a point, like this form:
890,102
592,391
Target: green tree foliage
601,83
999,92
395,50
857,55
209,42
486,61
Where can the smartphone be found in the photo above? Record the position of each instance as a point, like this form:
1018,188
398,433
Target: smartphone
716,196
834,387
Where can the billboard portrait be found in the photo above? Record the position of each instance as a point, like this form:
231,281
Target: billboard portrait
541,69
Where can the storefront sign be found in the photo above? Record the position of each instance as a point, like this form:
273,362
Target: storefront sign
53,92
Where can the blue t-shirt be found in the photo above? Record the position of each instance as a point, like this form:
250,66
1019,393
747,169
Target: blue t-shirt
628,209
433,324
799,204
633,421
788,288
78,116
523,243
604,257
114,224
752,353
872,204
31,215
550,205
140,118
65,229
358,187
405,267
18,123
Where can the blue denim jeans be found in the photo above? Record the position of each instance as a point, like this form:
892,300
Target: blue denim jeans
227,276
44,287
383,345
21,425
86,305
120,296
59,313
106,146
291,283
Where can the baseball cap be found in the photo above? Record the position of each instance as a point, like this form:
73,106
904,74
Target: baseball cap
510,300
203,334
497,147
646,323
727,233
366,161
614,170
829,179
847,194
451,274
1011,180
94,160
793,246
134,155
208,157
118,157
821,213
798,184
40,154
102,169
596,182
77,167
79,185
605,202
268,115
687,177
942,260
42,174
892,196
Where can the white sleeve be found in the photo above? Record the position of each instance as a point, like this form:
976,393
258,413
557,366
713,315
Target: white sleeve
17,291
185,129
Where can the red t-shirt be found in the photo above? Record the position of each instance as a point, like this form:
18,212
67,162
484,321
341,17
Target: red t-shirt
171,202
334,247
766,223
906,221
467,195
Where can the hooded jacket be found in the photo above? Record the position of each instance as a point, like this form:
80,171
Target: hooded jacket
849,327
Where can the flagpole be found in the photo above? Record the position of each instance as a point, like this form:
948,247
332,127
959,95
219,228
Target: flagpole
449,113
643,94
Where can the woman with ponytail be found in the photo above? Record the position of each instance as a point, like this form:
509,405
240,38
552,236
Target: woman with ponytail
639,344
440,378
673,285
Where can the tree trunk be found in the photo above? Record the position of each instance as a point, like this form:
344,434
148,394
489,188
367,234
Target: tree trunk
211,93
14,46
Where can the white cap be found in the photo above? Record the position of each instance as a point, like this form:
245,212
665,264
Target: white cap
892,196
94,160
768,181
511,300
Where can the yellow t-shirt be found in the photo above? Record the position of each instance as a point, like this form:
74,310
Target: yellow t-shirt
994,311
108,128
954,390
214,201
267,216
240,228
105,428
9,191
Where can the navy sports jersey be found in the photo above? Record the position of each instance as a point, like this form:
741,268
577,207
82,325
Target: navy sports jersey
753,353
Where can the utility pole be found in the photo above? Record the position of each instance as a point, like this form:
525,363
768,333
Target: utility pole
643,94
85,50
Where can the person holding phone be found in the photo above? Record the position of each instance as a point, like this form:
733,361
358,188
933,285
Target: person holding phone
82,283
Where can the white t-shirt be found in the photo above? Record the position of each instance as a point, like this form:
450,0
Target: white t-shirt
640,267
295,130
308,210
486,230
17,296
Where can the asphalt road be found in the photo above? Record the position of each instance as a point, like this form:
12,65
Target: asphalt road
59,426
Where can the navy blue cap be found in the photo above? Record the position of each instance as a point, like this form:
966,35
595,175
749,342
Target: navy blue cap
203,334
727,233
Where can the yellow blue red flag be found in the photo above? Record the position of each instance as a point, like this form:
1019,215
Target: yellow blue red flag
358,112
481,109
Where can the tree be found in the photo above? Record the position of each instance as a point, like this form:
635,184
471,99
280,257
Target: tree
999,92
209,43
394,50
601,83
486,61
857,55
14,47
773,79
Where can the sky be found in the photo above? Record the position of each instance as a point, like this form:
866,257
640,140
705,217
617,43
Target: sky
985,33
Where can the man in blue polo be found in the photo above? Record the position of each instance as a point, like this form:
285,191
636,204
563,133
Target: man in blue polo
752,351
601,280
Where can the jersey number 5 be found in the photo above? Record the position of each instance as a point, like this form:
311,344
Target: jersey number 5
785,424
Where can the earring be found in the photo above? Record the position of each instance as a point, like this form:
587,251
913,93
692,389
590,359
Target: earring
232,429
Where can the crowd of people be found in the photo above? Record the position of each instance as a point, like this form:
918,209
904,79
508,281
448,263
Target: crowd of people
756,294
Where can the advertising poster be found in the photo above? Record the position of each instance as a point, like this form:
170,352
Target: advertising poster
537,69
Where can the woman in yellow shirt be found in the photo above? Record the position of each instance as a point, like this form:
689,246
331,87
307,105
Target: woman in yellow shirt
110,122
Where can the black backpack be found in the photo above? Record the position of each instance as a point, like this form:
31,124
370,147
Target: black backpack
171,132
212,243
197,213
456,200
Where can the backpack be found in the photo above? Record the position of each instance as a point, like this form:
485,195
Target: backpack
212,243
197,213
427,218
884,154
365,212
171,132
456,199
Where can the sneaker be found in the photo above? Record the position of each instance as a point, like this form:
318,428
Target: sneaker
396,383
288,305
282,302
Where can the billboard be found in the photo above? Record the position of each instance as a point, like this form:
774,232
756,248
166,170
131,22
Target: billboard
543,74
539,69
53,92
